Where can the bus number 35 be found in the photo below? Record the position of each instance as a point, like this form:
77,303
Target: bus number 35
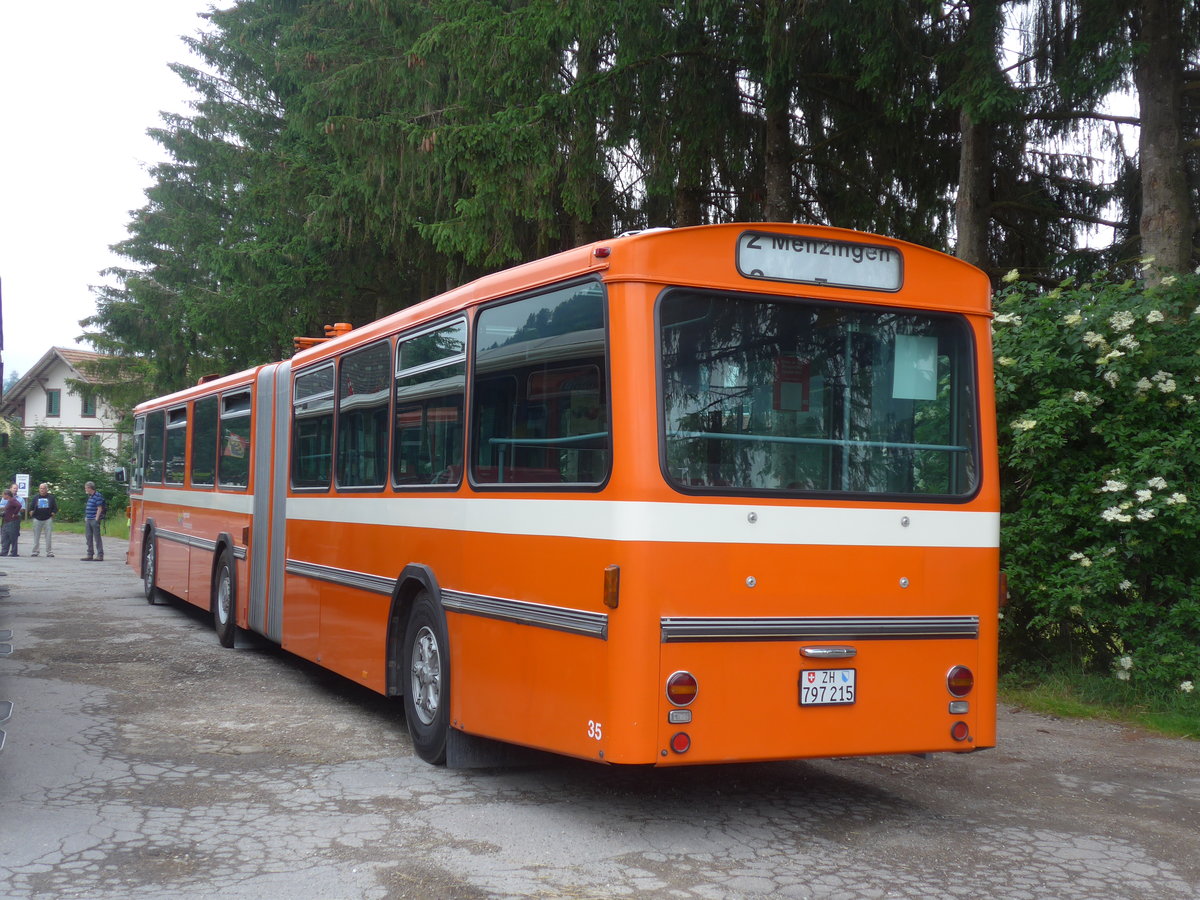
594,730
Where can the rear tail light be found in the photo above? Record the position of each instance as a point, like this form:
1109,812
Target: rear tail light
959,681
681,742
959,731
682,688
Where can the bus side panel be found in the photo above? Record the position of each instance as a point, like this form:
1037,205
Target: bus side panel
205,525
527,683
172,560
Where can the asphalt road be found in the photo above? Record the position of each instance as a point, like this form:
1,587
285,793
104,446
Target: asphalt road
142,760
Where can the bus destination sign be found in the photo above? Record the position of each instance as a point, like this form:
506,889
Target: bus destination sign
810,260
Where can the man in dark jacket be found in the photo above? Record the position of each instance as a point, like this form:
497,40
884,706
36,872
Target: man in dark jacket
42,509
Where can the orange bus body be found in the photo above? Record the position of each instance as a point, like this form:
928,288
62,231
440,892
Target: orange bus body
758,587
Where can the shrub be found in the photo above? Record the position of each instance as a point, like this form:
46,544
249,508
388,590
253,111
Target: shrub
1098,402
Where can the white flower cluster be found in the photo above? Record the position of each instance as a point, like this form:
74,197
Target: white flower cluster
1124,664
1165,382
1081,559
1120,511
1154,316
1007,319
1122,320
1187,687
1024,424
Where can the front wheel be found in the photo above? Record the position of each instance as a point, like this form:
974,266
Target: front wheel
150,569
224,601
427,685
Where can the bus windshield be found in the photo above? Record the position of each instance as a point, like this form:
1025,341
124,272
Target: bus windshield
805,396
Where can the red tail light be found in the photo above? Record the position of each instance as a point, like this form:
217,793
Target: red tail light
680,742
682,688
959,681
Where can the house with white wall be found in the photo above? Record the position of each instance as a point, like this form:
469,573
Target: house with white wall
46,397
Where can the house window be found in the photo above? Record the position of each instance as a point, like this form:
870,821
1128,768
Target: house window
89,406
88,445
54,402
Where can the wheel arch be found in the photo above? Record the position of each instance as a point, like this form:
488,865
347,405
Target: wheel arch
224,542
414,578
148,529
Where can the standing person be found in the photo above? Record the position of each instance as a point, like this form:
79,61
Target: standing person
43,509
10,531
92,517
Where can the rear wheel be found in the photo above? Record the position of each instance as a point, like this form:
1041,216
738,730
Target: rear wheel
224,601
427,684
150,569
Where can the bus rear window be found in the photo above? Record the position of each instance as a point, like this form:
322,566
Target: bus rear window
794,396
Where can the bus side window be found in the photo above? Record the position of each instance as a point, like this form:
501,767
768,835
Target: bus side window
155,427
428,422
204,442
139,454
541,405
233,460
364,383
176,445
312,429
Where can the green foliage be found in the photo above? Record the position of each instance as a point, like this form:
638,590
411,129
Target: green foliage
1098,400
347,158
46,456
1166,710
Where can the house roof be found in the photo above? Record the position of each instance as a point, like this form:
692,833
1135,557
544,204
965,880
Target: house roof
11,400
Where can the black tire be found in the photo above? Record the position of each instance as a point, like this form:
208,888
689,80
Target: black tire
426,673
224,600
150,568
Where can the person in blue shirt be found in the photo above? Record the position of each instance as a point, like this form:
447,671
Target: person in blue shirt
93,515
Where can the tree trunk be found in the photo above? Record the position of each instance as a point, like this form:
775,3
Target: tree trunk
1166,224
777,152
972,208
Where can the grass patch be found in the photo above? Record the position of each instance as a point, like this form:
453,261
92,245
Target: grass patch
1170,713
117,528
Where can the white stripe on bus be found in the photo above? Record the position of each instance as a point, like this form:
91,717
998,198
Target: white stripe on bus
609,520
225,502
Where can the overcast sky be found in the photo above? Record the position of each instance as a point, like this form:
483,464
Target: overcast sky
80,82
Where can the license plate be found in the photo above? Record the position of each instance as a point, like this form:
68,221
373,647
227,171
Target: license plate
827,687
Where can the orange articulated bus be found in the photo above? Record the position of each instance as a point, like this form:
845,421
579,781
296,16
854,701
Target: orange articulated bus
702,495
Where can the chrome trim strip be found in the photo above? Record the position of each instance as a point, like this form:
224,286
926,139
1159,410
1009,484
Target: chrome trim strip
539,615
375,584
520,612
239,552
188,540
688,629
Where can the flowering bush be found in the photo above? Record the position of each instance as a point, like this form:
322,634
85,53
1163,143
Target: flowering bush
1098,400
